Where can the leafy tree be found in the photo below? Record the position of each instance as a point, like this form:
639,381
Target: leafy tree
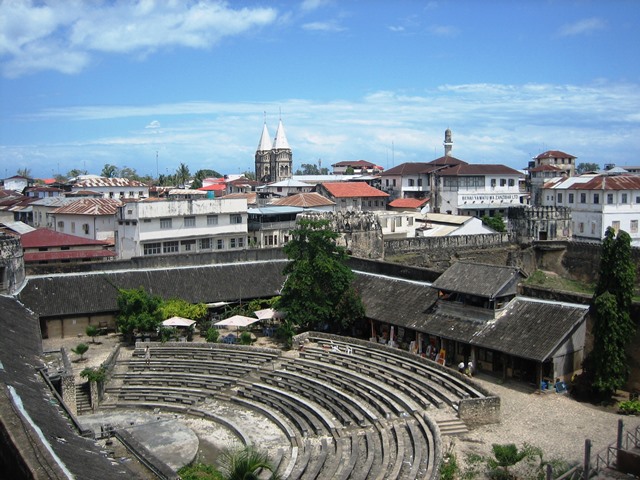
246,338
24,172
496,222
506,456
80,349
109,171
94,374
200,175
249,175
349,170
587,167
138,311
92,332
318,292
182,174
613,328
130,173
59,178
213,334
75,172
246,463
308,169
180,308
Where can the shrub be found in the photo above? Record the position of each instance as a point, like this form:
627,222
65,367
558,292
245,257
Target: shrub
80,349
92,332
212,335
94,374
245,338
630,407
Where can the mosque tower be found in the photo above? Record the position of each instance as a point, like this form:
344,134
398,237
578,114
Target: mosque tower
448,143
263,156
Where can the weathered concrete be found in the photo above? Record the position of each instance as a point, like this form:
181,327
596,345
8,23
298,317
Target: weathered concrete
479,411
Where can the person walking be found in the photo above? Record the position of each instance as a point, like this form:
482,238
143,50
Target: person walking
461,367
147,355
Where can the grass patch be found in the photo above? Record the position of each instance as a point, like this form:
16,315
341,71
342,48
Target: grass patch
555,282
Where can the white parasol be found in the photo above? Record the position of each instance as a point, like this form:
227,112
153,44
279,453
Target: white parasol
178,322
237,321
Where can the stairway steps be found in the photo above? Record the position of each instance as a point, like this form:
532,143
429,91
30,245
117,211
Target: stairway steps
452,427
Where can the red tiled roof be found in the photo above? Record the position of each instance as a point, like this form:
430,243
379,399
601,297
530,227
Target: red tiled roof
352,189
44,237
605,182
478,169
447,160
304,200
90,206
216,187
553,154
67,255
408,202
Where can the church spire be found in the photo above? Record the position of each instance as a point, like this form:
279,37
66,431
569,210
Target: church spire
265,140
280,142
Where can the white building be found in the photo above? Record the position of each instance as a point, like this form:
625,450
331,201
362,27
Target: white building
478,190
43,206
91,218
286,187
598,201
180,226
118,188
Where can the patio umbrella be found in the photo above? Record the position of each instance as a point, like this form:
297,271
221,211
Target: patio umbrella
237,321
267,314
178,322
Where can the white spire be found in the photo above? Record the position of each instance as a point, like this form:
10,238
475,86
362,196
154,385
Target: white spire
280,142
265,140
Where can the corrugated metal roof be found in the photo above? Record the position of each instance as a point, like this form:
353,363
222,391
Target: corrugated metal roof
304,200
274,210
44,237
488,281
56,255
90,206
553,154
353,189
107,182
408,202
478,169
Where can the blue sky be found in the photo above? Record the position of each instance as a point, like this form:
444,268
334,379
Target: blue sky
84,84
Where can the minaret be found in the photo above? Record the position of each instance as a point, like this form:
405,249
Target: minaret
448,143
281,156
263,157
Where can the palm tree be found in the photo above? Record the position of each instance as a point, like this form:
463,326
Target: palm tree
182,174
246,463
24,172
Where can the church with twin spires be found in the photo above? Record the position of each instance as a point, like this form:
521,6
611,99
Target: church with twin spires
274,161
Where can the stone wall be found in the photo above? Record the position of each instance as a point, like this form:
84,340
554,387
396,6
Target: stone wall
68,383
479,411
12,271
539,223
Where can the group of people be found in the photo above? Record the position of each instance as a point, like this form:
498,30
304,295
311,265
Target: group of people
466,369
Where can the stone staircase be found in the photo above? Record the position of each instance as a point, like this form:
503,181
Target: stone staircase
83,398
452,427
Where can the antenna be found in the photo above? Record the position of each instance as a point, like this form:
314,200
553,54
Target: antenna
157,171
393,154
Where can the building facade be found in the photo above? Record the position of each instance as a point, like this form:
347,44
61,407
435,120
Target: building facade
117,188
168,227
598,201
90,218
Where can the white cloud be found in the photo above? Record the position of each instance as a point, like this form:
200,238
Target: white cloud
582,27
328,26
31,32
491,123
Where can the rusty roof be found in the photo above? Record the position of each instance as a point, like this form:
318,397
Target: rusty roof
304,200
478,169
607,182
553,154
408,202
45,237
90,206
59,255
108,182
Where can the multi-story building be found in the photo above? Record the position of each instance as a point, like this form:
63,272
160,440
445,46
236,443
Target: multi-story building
563,161
164,227
598,201
285,188
118,188
91,218
357,167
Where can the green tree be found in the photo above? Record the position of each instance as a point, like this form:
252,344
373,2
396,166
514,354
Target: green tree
246,463
507,456
129,173
308,169
318,292
249,175
94,374
349,170
587,167
109,171
24,172
613,328
182,174
138,311
177,307
75,172
92,332
80,349
496,222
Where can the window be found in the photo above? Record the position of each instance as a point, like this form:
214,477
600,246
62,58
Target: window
170,247
189,221
165,223
609,198
634,226
386,182
61,225
394,182
188,245
132,194
220,244
110,194
241,242
151,248
615,225
512,182
596,198
369,202
141,193
583,198
581,227
85,228
121,194
411,182
493,183
419,182
73,227
146,220
571,198
278,189
205,244
212,219
559,198
624,198
637,198
235,218
503,182
232,243
593,228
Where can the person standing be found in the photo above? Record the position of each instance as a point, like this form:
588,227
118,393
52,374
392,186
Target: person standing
147,355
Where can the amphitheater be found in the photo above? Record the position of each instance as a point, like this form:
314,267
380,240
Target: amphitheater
335,408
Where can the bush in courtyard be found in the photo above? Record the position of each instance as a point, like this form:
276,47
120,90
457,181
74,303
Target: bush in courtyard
212,335
94,374
630,407
92,332
80,349
245,338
